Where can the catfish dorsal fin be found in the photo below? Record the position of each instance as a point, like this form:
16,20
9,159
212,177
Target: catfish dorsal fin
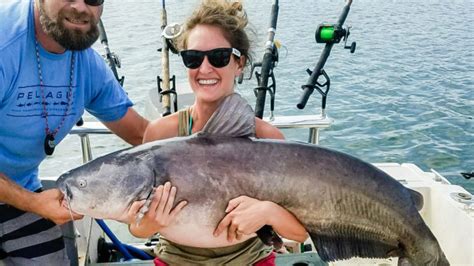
233,118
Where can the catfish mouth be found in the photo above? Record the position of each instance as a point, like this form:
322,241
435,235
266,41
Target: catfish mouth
63,187
67,197
67,193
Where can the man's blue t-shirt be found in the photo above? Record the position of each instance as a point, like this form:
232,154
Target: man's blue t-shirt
22,123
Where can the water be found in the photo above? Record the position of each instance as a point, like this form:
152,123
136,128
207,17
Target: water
406,95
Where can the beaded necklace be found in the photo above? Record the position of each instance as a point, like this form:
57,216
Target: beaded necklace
49,143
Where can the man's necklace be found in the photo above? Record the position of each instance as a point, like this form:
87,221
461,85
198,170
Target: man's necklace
49,143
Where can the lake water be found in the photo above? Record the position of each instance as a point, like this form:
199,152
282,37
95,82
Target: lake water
405,95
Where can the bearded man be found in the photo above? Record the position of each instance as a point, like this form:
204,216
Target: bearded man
48,76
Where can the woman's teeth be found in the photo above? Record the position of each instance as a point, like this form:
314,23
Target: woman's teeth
207,81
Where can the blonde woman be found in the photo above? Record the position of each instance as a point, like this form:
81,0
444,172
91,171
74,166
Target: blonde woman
215,49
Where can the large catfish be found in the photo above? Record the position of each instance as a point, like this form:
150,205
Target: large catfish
349,207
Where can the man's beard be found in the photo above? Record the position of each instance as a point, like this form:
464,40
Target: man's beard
67,38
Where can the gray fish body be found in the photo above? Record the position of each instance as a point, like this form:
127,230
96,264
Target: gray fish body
349,207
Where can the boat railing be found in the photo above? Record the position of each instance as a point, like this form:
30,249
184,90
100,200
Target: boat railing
314,123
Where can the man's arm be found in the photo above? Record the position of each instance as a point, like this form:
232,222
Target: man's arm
12,194
130,128
47,204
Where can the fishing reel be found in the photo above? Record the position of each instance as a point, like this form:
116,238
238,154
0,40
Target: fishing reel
114,62
171,33
333,33
328,34
274,62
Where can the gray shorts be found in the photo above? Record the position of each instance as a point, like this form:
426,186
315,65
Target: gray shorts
28,239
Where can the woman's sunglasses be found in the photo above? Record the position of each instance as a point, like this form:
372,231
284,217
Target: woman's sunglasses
94,2
219,57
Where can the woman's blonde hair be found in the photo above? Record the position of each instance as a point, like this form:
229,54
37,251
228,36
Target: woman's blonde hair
229,16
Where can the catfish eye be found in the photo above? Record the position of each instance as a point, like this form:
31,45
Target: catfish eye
82,183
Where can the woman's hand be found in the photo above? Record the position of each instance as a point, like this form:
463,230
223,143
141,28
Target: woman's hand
246,215
160,214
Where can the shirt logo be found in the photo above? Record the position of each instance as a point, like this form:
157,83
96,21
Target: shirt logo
29,101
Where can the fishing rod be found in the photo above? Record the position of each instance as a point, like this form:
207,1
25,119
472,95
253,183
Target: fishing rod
163,82
328,34
269,61
111,58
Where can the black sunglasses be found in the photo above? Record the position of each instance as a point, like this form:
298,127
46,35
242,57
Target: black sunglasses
94,2
219,57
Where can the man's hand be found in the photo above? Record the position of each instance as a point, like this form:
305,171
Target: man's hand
160,214
244,216
49,204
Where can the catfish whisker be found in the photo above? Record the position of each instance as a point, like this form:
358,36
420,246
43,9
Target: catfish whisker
77,234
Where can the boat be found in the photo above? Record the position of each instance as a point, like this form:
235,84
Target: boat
448,209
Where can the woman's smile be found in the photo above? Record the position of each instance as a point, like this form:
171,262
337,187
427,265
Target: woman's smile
207,81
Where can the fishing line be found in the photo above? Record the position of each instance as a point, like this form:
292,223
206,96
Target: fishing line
144,209
76,232
74,228
146,206
89,240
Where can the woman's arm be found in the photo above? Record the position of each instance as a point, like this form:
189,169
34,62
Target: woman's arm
162,128
246,215
285,223
263,130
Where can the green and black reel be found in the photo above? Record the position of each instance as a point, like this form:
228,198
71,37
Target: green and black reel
333,33
329,34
